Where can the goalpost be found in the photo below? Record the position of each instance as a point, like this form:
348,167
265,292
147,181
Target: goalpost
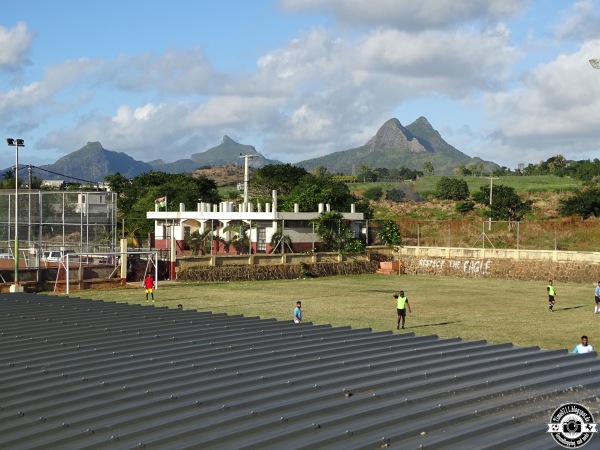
109,262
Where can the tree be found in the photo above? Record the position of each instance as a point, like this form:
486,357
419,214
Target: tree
382,173
136,197
312,190
448,188
366,173
239,238
428,168
280,242
395,195
556,165
504,171
473,168
389,233
8,180
117,183
462,171
373,193
506,204
202,242
279,177
584,204
319,170
36,182
404,173
333,230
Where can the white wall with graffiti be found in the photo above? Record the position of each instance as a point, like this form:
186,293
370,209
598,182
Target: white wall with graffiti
521,265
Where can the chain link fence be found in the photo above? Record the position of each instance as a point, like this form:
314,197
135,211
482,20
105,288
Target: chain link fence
84,222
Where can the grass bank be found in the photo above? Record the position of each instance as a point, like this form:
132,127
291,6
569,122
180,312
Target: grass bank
524,184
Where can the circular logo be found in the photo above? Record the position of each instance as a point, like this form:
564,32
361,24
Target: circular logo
572,425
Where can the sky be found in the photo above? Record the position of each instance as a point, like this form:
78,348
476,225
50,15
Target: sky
505,80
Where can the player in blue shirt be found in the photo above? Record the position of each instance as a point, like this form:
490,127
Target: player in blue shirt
298,312
584,347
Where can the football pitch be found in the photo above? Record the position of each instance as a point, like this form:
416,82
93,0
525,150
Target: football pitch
497,311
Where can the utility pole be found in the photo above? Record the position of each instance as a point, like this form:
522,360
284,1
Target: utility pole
491,189
246,176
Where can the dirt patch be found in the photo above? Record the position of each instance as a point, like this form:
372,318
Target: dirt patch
223,175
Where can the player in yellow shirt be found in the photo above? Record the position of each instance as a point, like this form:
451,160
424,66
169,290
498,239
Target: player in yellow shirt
551,295
402,306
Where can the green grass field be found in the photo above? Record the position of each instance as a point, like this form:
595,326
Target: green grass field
497,311
524,184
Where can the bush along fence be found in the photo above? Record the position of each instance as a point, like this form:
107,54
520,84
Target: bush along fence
275,272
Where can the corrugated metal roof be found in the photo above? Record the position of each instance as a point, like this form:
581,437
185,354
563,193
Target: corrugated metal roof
84,374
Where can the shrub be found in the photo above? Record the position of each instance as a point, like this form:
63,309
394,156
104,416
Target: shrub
354,246
373,193
452,189
465,207
390,233
395,195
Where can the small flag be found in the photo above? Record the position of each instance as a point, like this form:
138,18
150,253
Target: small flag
161,202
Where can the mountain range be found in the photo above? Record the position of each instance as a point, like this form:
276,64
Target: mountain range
395,145
392,146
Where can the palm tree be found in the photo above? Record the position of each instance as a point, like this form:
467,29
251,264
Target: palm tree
279,241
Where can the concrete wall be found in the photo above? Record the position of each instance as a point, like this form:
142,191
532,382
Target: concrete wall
577,267
480,253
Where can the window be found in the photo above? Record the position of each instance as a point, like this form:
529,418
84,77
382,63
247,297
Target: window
261,240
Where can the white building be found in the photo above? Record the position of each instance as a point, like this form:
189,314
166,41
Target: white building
92,202
263,223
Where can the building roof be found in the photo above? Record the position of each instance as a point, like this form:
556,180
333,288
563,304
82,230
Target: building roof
77,373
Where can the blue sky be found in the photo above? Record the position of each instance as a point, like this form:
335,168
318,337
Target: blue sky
506,80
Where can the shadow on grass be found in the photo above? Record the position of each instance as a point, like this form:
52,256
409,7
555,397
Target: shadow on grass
572,307
384,291
434,324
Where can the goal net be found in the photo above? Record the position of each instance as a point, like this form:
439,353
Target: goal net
79,271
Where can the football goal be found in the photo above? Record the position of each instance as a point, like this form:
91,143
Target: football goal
84,269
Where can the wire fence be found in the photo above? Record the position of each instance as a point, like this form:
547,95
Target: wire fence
79,221
569,234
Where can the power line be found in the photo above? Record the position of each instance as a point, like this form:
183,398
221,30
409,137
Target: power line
61,175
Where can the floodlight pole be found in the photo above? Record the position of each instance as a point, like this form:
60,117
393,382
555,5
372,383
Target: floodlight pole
16,287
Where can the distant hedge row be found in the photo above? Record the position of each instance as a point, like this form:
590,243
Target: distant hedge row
275,272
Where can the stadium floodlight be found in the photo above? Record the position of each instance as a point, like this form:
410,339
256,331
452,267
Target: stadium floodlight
595,63
16,143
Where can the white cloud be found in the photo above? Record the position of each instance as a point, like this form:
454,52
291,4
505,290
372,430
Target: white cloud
15,45
319,93
327,90
553,112
410,14
581,21
333,90
178,72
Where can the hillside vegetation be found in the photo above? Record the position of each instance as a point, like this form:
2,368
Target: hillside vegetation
427,221
432,222
521,184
